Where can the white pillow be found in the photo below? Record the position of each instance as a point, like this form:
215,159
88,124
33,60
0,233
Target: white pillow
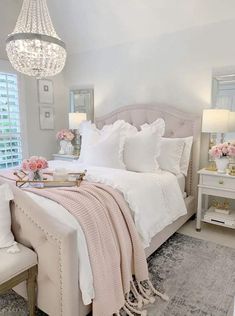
89,135
107,152
94,139
184,162
6,236
171,154
142,149
158,125
185,158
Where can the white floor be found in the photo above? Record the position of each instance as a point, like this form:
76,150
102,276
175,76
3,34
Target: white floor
220,235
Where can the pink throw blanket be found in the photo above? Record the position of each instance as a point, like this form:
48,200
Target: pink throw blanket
116,253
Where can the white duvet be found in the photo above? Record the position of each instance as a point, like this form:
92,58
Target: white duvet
155,200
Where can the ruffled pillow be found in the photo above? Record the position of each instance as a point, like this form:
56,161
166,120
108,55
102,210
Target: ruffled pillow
104,147
142,149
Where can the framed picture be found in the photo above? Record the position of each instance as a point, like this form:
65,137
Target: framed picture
45,91
46,116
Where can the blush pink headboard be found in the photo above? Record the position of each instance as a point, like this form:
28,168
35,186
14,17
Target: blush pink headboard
178,124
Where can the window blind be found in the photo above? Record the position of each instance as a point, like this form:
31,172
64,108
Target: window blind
10,133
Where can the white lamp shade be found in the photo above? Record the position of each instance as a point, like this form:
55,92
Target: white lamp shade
231,121
75,119
215,121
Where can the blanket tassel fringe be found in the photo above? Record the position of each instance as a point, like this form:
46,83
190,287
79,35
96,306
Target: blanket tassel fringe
143,293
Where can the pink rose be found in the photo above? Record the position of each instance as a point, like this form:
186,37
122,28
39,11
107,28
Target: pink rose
39,165
225,150
232,151
25,165
32,166
216,152
34,163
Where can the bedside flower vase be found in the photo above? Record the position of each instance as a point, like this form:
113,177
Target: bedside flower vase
35,175
222,164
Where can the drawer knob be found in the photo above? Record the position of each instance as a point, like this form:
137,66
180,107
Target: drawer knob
221,181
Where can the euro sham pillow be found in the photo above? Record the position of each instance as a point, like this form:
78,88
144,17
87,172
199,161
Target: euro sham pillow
6,236
89,135
104,147
171,154
106,152
142,149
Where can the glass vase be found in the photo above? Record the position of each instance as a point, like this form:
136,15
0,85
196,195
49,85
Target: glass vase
36,175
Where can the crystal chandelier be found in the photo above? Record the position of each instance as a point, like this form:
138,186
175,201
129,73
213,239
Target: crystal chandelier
34,48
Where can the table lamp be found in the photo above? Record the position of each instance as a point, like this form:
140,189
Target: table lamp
215,121
231,122
75,119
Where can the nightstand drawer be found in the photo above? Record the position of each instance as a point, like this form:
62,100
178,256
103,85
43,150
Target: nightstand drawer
218,182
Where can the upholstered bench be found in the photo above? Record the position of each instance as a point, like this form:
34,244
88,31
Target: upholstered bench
16,268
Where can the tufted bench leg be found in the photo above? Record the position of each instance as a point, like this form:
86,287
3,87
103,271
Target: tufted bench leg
16,268
31,289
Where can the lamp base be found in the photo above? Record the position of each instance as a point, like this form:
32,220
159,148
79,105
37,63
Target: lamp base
77,143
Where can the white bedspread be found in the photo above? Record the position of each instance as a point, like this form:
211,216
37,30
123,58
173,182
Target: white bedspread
154,199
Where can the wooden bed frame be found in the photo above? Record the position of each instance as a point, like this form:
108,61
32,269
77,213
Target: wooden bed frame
55,243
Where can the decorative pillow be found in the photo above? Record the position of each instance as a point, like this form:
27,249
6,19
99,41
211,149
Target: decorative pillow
91,136
107,152
171,154
142,149
6,236
184,162
158,124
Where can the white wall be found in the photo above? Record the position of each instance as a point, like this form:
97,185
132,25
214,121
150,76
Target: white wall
175,68
43,142
35,140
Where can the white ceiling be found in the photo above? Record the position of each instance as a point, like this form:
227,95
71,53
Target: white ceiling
93,24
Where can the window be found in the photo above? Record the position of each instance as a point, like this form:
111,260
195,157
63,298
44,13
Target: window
10,132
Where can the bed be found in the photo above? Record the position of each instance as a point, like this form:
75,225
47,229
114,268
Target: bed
55,242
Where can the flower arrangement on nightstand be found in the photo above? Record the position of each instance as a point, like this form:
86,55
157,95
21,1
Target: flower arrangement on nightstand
65,136
221,154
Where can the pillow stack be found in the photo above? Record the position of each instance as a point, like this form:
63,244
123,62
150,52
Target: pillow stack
121,146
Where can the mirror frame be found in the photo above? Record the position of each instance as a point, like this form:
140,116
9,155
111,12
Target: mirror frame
88,95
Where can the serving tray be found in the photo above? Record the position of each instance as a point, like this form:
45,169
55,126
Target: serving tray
47,183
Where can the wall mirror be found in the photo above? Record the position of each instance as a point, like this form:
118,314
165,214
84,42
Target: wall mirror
82,100
223,95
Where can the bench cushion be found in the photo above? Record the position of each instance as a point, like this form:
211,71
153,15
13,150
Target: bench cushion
13,264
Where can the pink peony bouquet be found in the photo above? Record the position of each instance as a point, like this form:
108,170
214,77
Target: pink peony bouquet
223,150
34,164
65,134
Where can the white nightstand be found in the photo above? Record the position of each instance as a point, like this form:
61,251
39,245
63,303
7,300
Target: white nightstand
215,184
65,157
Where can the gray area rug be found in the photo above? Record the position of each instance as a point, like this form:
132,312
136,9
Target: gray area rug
198,276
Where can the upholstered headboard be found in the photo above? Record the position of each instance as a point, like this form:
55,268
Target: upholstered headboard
178,124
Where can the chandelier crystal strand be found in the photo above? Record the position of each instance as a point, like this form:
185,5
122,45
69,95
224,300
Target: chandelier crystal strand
34,48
